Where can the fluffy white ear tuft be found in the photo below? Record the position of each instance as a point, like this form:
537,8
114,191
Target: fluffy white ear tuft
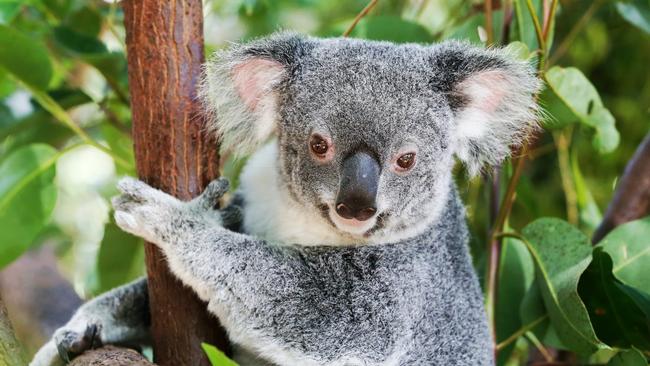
241,87
497,111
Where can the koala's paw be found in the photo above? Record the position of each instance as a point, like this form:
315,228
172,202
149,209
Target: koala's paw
145,211
209,199
70,343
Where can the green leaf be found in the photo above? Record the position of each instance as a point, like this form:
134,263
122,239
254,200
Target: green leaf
516,274
630,357
572,98
617,317
85,20
120,258
518,50
561,254
637,12
523,23
31,65
391,28
27,198
629,247
8,10
216,357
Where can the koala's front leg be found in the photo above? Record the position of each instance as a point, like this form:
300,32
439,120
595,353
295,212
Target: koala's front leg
172,224
120,316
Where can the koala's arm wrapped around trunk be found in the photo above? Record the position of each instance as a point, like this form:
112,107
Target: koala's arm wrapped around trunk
295,301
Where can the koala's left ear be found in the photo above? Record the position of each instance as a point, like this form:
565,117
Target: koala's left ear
491,95
241,88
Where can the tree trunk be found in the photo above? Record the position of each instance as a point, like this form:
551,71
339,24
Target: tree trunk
164,41
632,197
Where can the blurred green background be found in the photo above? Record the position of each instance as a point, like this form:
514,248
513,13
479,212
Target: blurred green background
65,116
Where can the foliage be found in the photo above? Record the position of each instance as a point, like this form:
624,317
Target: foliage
64,91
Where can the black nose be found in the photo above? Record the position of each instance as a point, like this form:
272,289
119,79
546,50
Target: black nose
358,187
362,214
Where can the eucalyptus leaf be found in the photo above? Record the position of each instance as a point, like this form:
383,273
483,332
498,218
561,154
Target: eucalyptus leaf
629,247
637,12
630,357
27,198
31,65
8,10
561,254
617,318
216,357
572,98
516,274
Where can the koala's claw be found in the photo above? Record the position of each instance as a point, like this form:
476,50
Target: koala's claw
70,344
212,193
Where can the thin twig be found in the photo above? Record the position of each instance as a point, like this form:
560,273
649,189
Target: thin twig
540,347
548,18
562,139
359,16
525,328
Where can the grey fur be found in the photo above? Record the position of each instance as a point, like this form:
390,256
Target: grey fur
404,292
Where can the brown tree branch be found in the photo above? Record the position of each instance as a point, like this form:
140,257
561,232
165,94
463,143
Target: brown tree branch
632,197
110,356
173,152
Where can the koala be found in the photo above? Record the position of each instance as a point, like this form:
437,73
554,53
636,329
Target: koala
346,242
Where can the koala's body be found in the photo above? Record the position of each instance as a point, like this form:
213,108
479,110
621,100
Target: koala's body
353,242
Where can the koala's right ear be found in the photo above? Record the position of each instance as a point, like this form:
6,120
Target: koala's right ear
240,89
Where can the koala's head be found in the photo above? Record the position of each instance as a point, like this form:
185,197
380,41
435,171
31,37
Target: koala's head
368,131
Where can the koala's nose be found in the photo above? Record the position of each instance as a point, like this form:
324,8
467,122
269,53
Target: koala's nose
358,187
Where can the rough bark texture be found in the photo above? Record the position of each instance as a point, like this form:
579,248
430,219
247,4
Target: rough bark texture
164,42
632,197
110,356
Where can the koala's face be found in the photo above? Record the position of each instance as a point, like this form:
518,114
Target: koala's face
368,130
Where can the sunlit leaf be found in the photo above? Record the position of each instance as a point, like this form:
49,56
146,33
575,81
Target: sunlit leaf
8,10
27,198
572,98
561,254
31,65
637,12
629,247
216,357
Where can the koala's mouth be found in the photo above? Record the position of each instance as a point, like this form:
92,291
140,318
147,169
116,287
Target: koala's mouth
352,226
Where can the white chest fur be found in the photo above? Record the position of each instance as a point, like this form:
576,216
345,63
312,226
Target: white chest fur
272,214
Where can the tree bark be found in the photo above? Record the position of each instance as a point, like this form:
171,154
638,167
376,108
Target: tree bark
110,356
164,41
632,197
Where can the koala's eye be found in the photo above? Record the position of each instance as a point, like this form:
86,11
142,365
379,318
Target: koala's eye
405,162
319,145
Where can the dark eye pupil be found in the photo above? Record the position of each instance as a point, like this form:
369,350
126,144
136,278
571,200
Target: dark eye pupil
406,161
319,146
